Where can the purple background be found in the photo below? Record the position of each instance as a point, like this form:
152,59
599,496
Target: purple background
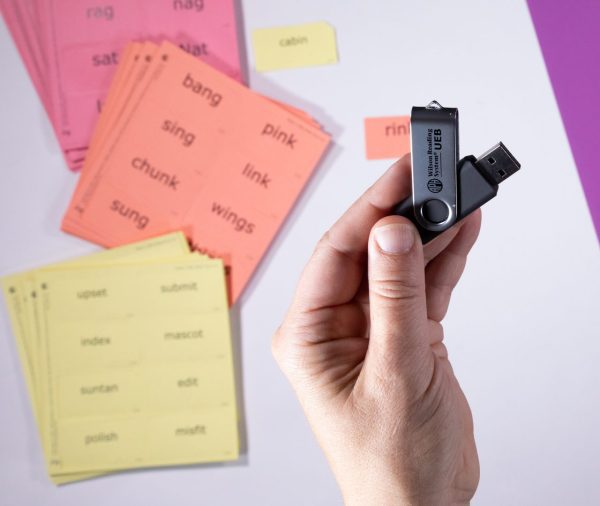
569,35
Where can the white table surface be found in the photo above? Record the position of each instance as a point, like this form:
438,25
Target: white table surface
524,326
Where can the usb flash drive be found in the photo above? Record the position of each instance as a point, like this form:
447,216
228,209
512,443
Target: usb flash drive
444,189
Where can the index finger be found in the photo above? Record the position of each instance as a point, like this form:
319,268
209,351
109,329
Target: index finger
335,271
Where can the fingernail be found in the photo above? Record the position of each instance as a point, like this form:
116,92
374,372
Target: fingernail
395,238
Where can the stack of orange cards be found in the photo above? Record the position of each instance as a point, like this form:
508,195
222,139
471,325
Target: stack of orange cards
180,146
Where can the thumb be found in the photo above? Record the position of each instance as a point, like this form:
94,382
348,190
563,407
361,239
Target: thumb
398,341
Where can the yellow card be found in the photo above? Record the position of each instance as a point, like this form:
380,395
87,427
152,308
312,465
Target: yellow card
20,294
21,299
139,368
305,45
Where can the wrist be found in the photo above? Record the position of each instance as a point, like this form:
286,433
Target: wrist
379,497
377,489
384,491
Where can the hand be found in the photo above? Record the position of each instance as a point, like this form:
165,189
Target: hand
362,345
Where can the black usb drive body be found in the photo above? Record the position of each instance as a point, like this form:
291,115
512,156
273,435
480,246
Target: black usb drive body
444,189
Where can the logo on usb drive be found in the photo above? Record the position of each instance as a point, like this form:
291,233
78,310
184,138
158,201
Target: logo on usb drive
434,185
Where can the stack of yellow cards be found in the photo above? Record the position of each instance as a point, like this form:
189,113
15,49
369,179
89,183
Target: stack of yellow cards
127,357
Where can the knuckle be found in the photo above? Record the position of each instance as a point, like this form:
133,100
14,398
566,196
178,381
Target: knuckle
440,350
395,289
323,241
436,332
285,349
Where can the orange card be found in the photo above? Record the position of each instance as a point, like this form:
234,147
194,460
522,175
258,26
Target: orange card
387,137
194,150
137,57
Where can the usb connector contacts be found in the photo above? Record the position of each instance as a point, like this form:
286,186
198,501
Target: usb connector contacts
478,178
497,163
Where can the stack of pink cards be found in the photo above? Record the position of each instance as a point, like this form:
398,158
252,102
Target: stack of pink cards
71,49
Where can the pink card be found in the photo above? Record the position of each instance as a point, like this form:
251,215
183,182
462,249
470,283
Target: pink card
86,39
71,49
17,22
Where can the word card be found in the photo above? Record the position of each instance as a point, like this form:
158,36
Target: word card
387,137
181,146
22,297
305,45
71,49
127,358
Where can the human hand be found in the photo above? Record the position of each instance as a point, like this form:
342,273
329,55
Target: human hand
362,346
